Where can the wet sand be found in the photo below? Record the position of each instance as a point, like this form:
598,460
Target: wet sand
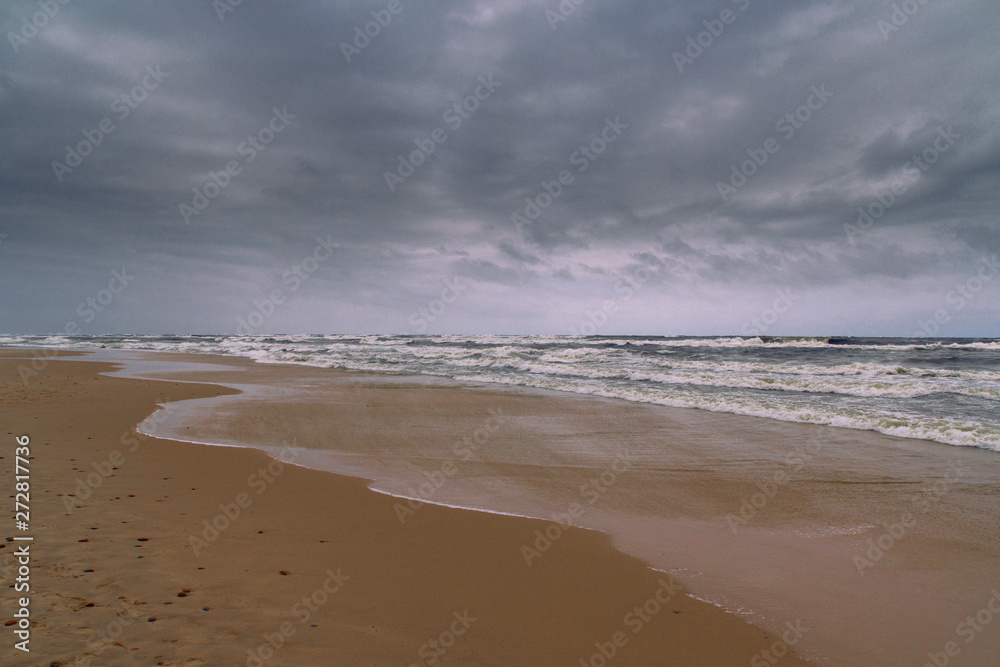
880,546
154,551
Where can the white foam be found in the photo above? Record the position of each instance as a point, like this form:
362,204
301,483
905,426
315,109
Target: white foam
857,390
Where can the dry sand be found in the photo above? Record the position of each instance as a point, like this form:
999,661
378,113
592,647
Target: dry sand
116,581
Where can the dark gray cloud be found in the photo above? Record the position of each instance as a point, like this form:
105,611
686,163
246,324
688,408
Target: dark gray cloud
609,146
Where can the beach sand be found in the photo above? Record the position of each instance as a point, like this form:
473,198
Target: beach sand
315,563
880,547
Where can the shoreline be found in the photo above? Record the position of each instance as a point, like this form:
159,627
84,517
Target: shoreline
873,387
754,574
558,611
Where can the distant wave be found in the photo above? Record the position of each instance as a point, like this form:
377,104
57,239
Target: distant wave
943,390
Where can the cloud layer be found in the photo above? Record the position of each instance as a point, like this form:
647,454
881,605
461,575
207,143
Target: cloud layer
678,161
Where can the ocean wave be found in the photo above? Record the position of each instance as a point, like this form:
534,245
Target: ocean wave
935,390
946,431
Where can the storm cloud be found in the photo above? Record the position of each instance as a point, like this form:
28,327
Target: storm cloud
661,167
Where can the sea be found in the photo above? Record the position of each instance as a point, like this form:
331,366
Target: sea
765,518
943,390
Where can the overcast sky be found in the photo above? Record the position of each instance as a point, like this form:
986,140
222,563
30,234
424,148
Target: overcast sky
595,168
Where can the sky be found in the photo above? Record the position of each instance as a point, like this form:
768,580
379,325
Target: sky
662,167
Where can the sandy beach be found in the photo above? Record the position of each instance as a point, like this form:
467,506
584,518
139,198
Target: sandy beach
311,568
538,333
879,546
